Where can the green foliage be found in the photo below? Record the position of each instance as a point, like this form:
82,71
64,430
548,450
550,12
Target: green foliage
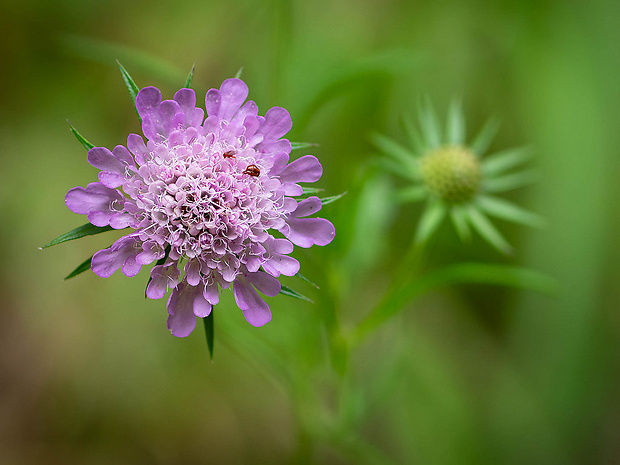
77,233
285,290
190,77
210,331
82,267
81,139
132,88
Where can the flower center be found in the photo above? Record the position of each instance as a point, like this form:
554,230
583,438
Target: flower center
452,172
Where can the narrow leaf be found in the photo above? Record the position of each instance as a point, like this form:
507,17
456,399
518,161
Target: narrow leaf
238,75
459,220
80,269
502,161
483,140
209,331
455,126
510,181
486,229
311,190
81,139
411,194
430,124
190,77
302,145
405,159
77,233
333,198
412,134
131,86
303,278
430,221
291,293
506,210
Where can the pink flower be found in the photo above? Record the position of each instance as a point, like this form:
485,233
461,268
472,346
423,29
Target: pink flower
206,193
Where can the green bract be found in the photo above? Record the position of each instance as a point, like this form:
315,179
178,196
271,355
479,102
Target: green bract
456,178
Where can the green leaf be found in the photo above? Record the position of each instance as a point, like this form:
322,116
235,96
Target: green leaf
510,181
85,265
502,161
506,210
455,126
486,229
131,86
483,140
460,273
291,293
392,166
311,190
161,261
81,139
303,278
412,133
430,124
190,77
302,145
333,198
411,194
430,221
406,160
459,220
210,331
77,233
238,75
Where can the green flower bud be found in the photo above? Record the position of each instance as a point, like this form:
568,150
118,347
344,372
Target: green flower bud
452,173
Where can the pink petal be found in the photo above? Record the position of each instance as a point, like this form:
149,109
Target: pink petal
162,278
201,307
181,320
147,100
304,169
96,197
277,123
265,283
307,207
107,261
102,158
254,308
306,232
233,93
211,293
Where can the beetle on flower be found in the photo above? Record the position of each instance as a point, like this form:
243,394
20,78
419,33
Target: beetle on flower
204,196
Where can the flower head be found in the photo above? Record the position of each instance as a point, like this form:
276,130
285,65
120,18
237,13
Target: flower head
456,178
203,198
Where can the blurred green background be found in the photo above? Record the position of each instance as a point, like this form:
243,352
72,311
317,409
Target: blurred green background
464,374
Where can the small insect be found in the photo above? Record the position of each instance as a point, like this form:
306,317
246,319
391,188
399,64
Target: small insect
229,154
252,170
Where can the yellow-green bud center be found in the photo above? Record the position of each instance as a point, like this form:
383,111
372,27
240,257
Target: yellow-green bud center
452,172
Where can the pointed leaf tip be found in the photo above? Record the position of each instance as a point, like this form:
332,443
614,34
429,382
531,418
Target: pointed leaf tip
190,77
77,233
81,139
132,88
291,293
84,266
210,332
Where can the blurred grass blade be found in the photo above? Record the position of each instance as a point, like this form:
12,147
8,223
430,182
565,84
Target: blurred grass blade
311,190
502,161
460,273
303,278
510,181
291,293
84,266
412,134
132,88
459,220
455,126
209,331
486,229
302,145
77,233
485,137
238,74
333,198
190,78
81,139
411,194
506,210
430,124
430,221
397,152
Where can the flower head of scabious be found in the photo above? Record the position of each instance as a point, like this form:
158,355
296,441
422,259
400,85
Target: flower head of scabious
203,198
455,178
